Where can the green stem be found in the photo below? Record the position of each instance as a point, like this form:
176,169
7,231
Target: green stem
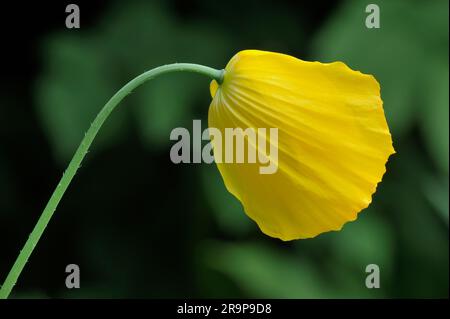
74,164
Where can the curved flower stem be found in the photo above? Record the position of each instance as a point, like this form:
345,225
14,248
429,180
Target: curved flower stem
74,164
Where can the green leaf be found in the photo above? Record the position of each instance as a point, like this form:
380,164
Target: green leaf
396,53
74,86
422,240
368,240
436,190
263,272
346,253
434,112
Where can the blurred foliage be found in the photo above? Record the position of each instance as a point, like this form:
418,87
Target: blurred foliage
262,271
71,92
140,226
409,57
227,210
85,70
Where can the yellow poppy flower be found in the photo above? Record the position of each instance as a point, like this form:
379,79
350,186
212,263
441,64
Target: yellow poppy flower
333,140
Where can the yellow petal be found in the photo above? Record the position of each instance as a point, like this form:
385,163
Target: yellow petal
213,86
333,140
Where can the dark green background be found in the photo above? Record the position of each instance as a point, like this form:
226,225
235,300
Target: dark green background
140,226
